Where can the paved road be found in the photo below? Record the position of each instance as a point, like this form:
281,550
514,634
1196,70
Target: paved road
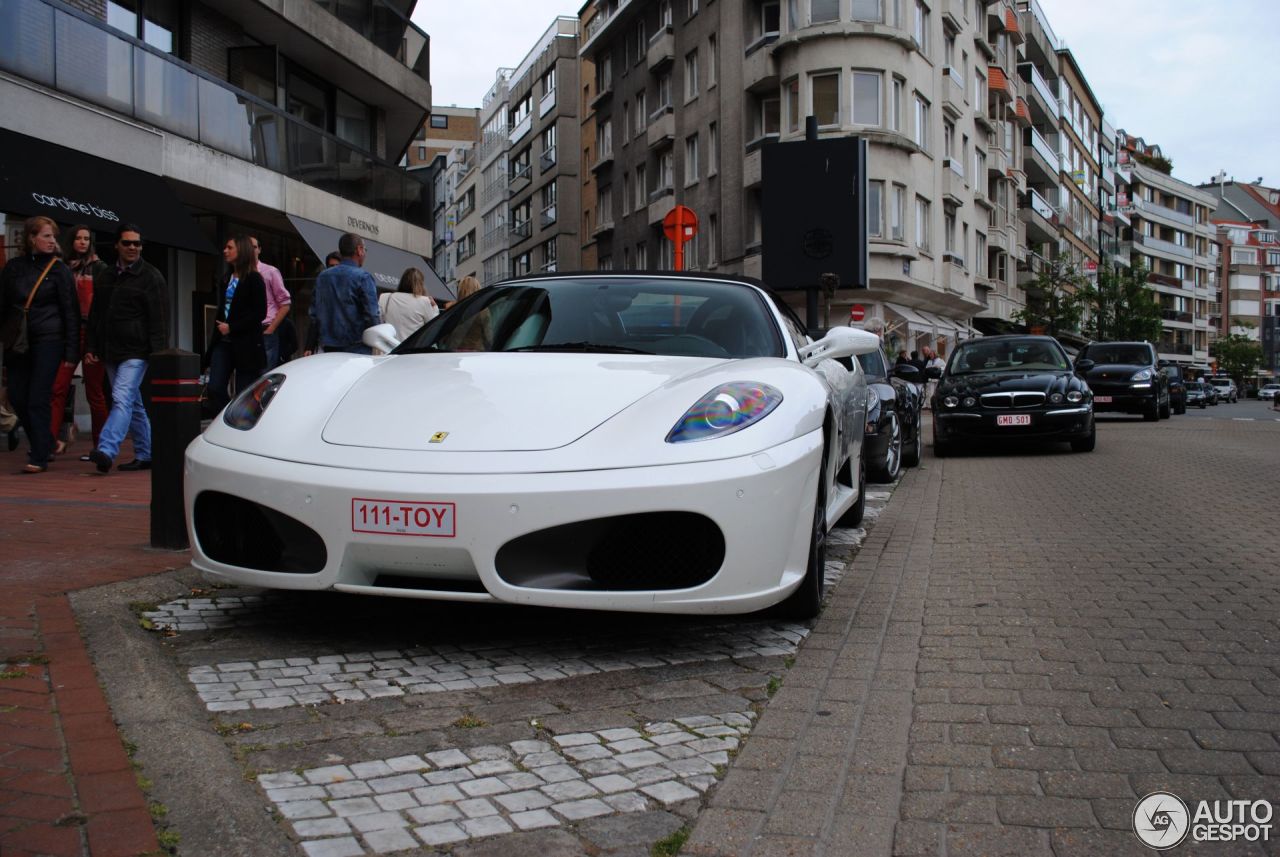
1026,642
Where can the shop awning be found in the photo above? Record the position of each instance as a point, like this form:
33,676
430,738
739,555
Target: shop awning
942,326
73,188
386,263
915,322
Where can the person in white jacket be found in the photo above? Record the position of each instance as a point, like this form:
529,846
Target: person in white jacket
409,307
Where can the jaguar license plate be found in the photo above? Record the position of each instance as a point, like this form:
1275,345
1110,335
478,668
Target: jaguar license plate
1105,400
1013,420
404,518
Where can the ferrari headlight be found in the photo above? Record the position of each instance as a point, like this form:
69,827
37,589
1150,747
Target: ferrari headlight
1056,398
950,401
1075,396
248,407
724,410
1141,375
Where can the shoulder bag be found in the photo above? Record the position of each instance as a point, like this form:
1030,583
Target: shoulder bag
20,343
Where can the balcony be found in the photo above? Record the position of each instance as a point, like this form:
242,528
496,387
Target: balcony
662,128
521,176
1011,27
603,22
604,227
953,187
999,85
759,71
1039,157
547,217
1170,214
1021,113
1176,315
953,92
1044,101
751,170
1178,348
604,158
661,201
547,103
520,230
662,49
1168,247
547,159
161,91
1041,219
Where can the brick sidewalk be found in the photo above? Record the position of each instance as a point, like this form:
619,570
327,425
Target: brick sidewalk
66,783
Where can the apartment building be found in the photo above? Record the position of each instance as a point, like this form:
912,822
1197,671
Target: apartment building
686,93
446,128
543,157
466,223
589,258
200,118
1250,278
491,161
1171,235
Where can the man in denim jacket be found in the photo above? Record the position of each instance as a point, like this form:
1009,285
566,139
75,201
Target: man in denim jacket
346,300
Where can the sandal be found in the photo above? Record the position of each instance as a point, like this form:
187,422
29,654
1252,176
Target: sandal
34,468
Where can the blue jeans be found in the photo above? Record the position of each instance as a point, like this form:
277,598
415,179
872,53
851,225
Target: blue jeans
127,416
31,377
271,342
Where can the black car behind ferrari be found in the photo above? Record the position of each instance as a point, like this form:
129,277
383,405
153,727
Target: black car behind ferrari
1125,377
1008,387
894,398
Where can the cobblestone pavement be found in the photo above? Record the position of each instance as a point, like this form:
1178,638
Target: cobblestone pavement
1028,642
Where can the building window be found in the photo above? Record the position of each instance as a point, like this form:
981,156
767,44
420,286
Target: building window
642,256
895,104
690,159
549,255
642,187
979,254
770,116
628,194
875,209
979,91
898,213
1273,258
979,168
825,91
822,11
605,263
922,223
949,229
642,118
549,204
922,27
604,72
664,92
604,141
922,123
1243,257
713,149
628,122
866,98
665,171
693,8
664,14
604,205
521,264
422,153
713,241
154,22
713,57
793,104
548,82
867,10
439,120
948,139
691,75
642,41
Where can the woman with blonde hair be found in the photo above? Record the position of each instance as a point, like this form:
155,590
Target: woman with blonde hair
409,307
467,287
40,330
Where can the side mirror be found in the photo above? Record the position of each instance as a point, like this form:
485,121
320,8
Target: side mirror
839,342
381,337
1162,363
933,372
907,372
1083,366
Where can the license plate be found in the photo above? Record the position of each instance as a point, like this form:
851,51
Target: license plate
404,518
1105,400
1013,420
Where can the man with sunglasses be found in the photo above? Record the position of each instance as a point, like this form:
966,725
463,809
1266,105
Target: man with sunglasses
128,322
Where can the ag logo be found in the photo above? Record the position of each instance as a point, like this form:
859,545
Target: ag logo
439,437
1161,820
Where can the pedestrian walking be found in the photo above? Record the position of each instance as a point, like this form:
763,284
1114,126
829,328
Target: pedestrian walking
82,258
278,305
40,331
237,344
346,300
409,307
936,361
128,322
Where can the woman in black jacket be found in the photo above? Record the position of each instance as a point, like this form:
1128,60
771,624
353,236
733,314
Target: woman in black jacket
237,338
53,332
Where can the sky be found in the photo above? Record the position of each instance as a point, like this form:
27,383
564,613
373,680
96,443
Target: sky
1197,77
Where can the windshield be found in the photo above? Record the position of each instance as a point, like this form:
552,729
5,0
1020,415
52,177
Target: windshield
873,364
1221,382
1008,355
1111,352
620,315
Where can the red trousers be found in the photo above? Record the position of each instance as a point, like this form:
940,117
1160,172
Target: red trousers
95,379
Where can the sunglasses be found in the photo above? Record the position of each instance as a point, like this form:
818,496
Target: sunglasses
124,243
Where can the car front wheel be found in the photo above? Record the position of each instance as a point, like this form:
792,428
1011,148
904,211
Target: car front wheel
912,454
806,601
887,469
1086,443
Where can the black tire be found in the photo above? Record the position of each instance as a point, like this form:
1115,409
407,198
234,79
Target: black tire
1086,443
1204,405
1152,413
912,454
1181,407
806,601
853,517
890,466
1165,410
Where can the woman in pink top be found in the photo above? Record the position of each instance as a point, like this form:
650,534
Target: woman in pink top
85,265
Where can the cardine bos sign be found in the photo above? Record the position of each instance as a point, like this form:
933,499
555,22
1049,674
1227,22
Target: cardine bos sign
815,213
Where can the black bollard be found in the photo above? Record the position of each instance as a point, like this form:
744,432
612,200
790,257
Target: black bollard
175,422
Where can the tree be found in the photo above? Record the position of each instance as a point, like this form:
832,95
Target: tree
1237,356
1121,307
1053,299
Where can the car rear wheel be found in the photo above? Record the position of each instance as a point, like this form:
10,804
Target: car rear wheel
888,468
912,454
806,601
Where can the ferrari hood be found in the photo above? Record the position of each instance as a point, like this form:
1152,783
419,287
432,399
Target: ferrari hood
491,402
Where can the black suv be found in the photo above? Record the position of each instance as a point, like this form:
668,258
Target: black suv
1177,387
1125,377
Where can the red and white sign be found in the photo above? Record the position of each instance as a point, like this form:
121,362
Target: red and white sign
403,518
1091,266
1013,420
857,312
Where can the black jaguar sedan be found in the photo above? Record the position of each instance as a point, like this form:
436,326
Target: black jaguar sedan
1011,387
